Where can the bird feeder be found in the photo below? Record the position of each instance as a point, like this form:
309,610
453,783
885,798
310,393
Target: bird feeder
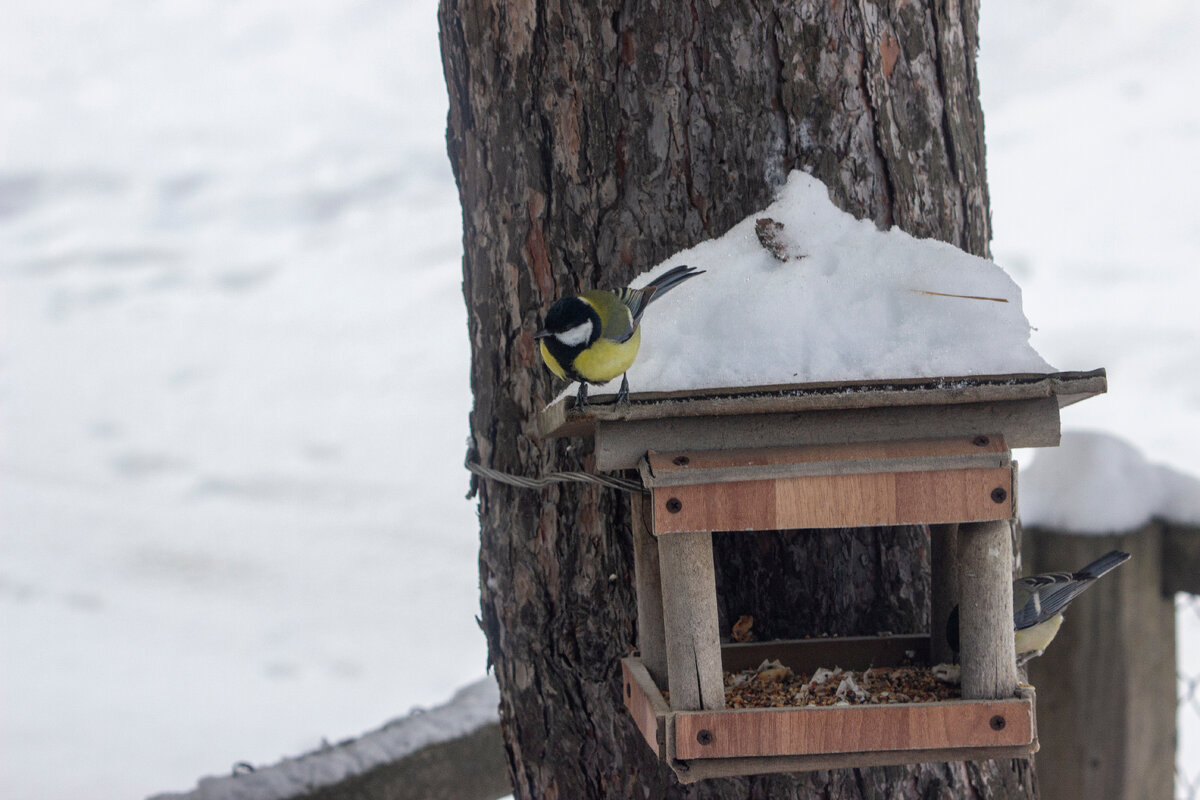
929,451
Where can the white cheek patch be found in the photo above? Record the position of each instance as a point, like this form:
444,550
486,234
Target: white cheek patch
573,337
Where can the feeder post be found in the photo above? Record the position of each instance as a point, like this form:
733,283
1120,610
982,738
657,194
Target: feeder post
987,649
943,576
648,579
689,603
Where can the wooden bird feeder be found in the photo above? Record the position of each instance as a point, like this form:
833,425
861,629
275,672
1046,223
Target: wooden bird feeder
930,451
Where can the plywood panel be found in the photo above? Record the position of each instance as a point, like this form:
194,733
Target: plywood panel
700,769
645,704
846,729
830,501
690,461
716,466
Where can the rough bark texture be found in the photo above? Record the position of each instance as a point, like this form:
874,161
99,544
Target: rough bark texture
590,141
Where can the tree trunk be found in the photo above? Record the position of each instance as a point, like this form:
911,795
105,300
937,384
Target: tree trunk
590,141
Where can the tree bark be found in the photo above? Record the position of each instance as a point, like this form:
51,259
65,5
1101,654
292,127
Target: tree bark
589,142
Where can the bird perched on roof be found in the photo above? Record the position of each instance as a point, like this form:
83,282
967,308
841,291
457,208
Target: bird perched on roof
593,337
1038,603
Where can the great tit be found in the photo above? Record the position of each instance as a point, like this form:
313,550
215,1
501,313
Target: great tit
1038,603
593,337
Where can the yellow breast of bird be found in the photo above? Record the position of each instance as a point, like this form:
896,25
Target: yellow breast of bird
1038,637
606,359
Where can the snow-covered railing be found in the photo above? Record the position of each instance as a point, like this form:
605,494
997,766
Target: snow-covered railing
1107,712
451,752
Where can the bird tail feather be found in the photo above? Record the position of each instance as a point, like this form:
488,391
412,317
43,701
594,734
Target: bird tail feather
638,299
1105,563
1054,600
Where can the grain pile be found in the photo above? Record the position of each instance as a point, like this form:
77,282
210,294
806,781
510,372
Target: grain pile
772,685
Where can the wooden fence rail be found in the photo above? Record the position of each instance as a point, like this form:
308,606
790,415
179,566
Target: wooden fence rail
452,752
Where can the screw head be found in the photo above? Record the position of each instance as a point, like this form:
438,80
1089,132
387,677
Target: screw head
999,495
674,505
704,737
997,723
681,461
981,441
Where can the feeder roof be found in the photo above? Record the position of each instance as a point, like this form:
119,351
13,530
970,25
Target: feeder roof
561,418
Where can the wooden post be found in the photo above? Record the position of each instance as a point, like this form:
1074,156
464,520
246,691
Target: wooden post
648,578
1106,685
943,570
689,600
987,650
1181,558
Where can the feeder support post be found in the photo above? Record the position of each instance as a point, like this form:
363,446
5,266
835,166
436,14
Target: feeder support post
943,569
648,579
986,646
689,604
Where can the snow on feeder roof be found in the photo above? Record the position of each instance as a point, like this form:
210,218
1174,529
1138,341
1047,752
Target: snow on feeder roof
802,307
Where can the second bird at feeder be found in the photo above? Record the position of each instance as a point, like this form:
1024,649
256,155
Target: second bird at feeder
1038,603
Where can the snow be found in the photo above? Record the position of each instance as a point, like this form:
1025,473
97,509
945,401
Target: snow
233,388
755,320
233,362
1099,484
471,708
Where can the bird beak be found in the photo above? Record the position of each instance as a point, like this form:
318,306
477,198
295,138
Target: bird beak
542,334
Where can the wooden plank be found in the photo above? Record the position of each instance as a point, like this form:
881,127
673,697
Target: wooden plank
648,580
1023,423
1106,685
852,729
689,599
987,650
758,463
561,419
847,652
831,501
646,704
1180,559
707,768
841,451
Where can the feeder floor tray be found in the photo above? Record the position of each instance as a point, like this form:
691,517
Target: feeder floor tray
746,741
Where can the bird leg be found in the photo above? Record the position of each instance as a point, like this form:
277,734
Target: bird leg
1025,658
581,398
623,392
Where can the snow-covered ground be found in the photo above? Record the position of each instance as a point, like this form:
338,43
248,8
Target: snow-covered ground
233,363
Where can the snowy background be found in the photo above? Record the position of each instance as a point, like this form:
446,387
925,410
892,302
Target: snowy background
233,362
